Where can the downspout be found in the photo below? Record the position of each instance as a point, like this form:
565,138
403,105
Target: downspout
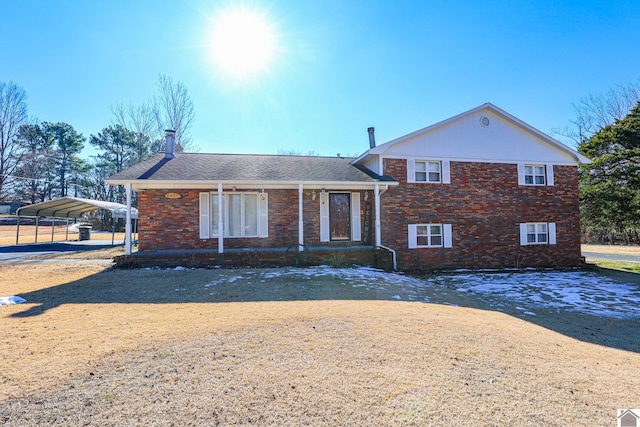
379,244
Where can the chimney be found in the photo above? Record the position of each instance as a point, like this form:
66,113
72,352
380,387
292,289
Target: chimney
170,138
372,137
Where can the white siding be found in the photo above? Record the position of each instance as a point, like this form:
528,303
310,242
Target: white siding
467,139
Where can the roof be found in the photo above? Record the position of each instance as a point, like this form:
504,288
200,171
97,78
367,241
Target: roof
246,169
73,207
381,149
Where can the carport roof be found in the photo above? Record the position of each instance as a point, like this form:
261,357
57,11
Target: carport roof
74,207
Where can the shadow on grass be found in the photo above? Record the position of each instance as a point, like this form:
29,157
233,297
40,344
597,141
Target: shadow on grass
290,284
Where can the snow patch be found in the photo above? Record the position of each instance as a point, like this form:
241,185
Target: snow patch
11,300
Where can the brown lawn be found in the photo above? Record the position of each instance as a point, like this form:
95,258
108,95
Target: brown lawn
154,347
612,249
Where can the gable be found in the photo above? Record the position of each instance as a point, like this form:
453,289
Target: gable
485,134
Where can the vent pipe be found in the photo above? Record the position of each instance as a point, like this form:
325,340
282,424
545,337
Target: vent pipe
372,137
170,138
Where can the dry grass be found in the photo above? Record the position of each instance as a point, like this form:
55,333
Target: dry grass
151,347
612,249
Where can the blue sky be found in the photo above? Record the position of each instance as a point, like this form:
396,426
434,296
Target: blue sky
339,66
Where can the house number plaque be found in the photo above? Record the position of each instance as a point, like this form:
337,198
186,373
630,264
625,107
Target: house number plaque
172,195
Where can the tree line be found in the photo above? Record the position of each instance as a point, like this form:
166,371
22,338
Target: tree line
41,161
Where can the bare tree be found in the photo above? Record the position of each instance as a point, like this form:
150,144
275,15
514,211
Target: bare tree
13,114
593,112
174,110
142,120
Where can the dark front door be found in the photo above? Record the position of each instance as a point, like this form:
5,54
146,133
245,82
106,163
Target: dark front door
339,216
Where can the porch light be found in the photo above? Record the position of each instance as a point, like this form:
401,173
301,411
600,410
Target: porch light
313,195
233,188
323,191
262,195
366,196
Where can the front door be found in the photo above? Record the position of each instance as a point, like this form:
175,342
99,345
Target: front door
340,216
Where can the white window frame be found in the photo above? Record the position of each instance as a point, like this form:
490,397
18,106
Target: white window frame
444,171
427,171
547,174
550,233
445,236
209,215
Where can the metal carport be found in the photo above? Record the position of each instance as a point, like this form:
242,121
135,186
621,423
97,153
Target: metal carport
71,207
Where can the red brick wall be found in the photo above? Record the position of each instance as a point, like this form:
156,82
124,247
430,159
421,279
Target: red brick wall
485,206
174,223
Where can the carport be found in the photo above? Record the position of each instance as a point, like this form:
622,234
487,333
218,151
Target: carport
72,207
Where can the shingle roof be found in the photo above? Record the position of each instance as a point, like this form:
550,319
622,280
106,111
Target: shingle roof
246,168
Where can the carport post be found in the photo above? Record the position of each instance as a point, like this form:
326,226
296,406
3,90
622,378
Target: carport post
18,229
37,221
127,227
113,226
66,236
53,227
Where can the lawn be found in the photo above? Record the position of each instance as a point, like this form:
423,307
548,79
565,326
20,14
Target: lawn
99,346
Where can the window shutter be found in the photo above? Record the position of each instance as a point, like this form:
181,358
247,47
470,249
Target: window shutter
205,208
447,236
263,215
413,236
551,227
324,216
523,234
521,174
356,234
446,172
550,180
411,170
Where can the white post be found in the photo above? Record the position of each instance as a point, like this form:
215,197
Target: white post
377,204
220,221
127,225
300,218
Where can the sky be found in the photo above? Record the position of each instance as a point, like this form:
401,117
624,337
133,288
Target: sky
332,67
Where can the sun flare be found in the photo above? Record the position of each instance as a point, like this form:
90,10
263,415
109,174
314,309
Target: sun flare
242,43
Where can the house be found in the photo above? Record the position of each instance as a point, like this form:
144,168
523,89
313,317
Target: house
479,190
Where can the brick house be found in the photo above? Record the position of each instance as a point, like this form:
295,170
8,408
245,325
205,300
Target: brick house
479,190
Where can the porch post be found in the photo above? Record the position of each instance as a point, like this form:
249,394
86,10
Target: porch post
18,230
300,218
127,225
53,227
220,221
377,204
37,221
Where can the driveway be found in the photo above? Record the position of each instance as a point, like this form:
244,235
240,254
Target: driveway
20,254
612,257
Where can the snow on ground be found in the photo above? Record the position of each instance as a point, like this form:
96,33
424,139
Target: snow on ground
11,300
528,291
585,292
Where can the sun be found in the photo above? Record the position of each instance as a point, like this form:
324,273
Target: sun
242,43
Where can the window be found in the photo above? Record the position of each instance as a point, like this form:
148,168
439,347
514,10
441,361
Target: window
430,236
534,175
538,233
428,171
244,215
